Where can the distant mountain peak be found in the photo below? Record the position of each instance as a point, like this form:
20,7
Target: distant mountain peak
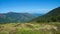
11,12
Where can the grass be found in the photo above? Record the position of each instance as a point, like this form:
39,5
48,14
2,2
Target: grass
30,28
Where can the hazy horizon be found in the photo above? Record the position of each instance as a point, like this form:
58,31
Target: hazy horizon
28,6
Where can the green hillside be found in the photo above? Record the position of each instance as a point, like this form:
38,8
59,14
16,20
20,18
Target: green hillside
51,16
13,17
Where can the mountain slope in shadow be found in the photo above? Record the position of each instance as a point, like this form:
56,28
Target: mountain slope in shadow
51,16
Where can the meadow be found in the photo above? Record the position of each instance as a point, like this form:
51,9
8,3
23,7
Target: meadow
30,28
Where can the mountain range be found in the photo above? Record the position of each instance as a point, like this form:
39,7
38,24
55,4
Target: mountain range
13,17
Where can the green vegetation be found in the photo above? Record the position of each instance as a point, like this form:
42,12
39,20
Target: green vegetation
52,16
30,28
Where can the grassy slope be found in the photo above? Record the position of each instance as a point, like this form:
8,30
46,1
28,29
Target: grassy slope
30,28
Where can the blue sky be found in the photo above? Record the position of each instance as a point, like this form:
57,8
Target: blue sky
28,6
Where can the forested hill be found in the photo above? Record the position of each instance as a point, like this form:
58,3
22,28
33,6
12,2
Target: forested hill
51,16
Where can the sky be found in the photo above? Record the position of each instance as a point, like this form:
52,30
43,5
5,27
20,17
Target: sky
28,6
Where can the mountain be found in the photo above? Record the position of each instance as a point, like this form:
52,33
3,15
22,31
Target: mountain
12,17
37,14
51,16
